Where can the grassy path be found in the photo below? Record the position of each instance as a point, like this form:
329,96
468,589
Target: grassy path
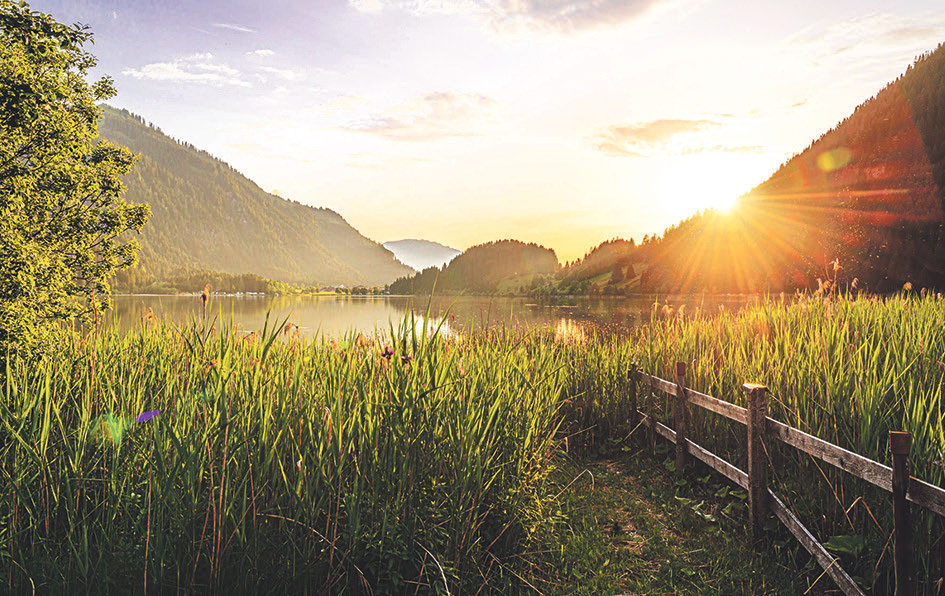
632,528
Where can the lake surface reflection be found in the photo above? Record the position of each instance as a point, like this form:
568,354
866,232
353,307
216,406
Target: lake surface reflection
336,315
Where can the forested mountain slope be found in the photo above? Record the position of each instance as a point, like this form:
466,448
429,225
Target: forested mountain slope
505,266
867,195
207,216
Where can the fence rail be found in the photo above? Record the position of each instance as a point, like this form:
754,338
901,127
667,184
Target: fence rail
761,499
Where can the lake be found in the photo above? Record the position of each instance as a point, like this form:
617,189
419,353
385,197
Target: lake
335,315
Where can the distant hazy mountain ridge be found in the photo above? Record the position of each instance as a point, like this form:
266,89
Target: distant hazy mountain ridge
502,267
208,216
421,254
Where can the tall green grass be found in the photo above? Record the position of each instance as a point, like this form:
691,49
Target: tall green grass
276,463
846,369
417,461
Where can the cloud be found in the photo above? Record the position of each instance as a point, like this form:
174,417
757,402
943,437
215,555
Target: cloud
261,53
636,140
196,68
724,149
378,161
663,137
234,27
428,117
878,38
282,73
554,15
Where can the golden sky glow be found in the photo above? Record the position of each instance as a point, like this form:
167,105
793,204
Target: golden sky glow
463,121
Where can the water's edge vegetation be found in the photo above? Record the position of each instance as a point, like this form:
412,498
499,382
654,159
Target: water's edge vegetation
204,457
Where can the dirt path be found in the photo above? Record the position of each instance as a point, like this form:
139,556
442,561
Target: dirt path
635,529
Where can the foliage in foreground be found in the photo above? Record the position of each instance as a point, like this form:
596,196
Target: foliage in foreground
274,462
846,369
60,208
282,463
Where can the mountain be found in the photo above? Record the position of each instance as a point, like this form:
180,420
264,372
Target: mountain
207,216
502,267
862,206
864,201
421,254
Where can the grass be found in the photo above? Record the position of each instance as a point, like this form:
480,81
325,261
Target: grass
846,369
629,527
274,463
435,464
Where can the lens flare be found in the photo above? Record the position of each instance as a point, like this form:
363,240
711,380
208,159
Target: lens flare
834,159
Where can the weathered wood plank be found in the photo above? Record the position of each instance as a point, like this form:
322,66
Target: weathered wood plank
859,466
829,563
681,419
718,464
714,404
900,444
920,492
757,464
658,383
705,456
926,495
666,432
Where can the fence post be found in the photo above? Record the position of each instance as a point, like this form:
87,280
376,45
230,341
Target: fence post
634,375
900,443
757,468
651,414
680,416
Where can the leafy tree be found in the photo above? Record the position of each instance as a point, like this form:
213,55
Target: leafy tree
61,212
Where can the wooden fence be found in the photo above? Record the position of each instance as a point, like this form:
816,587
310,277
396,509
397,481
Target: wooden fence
761,499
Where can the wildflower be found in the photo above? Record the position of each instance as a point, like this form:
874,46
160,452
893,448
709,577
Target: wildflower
836,265
907,286
406,358
387,353
145,416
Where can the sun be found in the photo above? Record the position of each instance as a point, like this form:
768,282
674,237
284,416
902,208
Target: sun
721,201
693,193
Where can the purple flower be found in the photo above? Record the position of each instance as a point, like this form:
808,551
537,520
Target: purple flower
145,416
406,359
387,353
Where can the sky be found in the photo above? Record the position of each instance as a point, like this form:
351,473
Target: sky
561,122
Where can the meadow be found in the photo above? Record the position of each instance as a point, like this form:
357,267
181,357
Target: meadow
413,461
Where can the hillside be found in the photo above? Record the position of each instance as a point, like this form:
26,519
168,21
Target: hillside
868,193
421,254
207,216
502,267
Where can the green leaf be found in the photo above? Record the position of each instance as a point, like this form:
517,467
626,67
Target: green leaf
845,544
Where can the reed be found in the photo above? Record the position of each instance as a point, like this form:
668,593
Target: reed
845,368
275,461
205,458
